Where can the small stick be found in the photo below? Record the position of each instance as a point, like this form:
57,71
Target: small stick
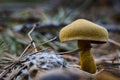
6,71
16,61
110,62
16,73
13,64
3,73
29,35
26,49
70,58
38,51
118,57
69,52
114,42
49,40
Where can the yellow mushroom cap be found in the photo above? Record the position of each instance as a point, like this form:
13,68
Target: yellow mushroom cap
82,29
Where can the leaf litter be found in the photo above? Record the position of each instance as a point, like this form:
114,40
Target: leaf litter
44,60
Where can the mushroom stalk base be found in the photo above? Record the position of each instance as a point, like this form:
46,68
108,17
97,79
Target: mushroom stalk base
86,59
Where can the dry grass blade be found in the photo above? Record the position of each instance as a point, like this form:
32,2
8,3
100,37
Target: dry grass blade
14,62
18,60
6,70
9,68
14,73
3,74
8,56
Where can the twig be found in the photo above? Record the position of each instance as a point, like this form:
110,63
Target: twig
118,57
70,58
16,72
110,62
6,71
49,40
38,51
114,42
26,49
9,66
29,35
14,63
69,52
17,61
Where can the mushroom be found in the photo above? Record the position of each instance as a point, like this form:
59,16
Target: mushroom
85,32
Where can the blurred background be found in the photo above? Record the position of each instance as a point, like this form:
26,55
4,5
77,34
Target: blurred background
18,16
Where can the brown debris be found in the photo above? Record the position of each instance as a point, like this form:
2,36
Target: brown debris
108,74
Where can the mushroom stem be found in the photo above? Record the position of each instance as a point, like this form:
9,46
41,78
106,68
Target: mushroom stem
86,59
